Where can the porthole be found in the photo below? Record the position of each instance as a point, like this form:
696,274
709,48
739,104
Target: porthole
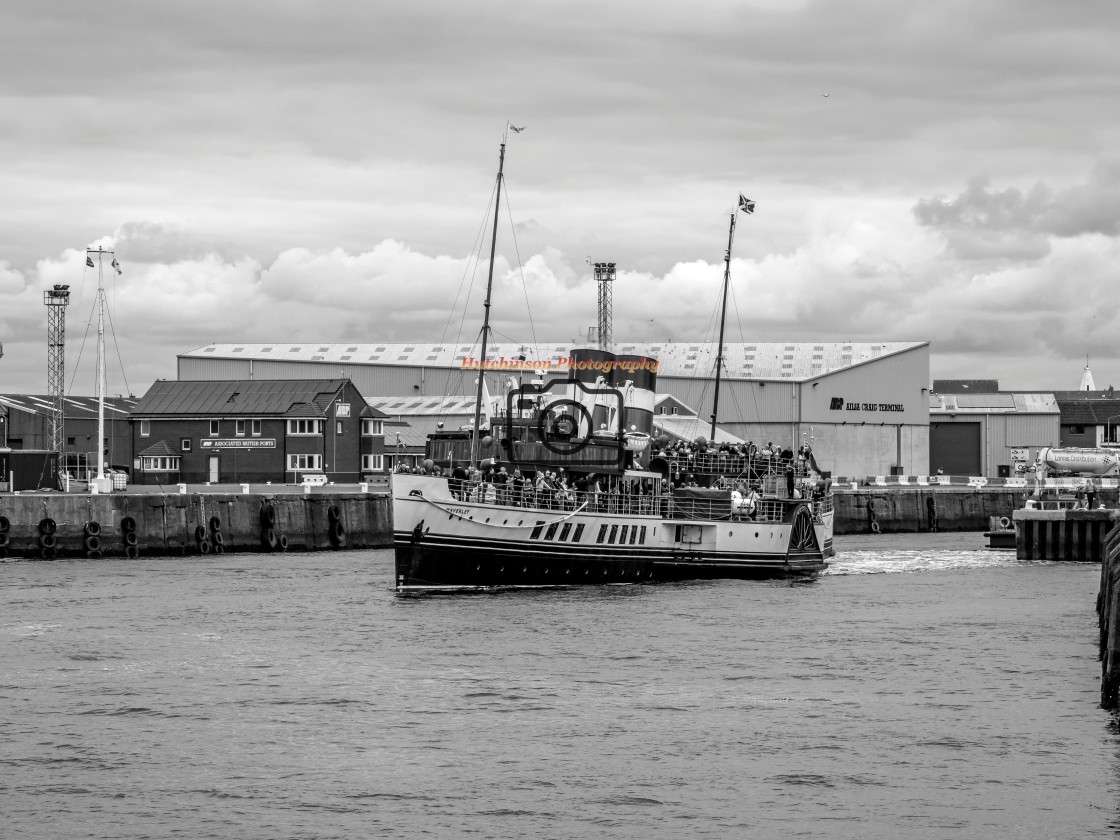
487,518
730,533
505,521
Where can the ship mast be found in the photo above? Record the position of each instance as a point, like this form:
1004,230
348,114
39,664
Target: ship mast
747,206
475,431
100,365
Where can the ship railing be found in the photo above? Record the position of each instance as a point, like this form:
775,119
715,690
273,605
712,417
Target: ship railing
553,498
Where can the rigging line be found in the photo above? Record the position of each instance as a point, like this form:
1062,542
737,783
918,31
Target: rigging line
752,391
116,346
521,271
472,260
77,361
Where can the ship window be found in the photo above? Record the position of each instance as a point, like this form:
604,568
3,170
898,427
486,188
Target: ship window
602,533
578,534
622,536
536,535
551,532
633,534
565,531
642,540
614,534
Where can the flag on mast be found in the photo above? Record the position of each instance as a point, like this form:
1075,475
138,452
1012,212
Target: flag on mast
116,265
515,129
745,204
89,260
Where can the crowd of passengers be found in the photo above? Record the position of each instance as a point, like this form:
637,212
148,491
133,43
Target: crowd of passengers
558,490
746,458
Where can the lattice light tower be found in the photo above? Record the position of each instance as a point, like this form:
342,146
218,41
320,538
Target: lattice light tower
604,276
56,300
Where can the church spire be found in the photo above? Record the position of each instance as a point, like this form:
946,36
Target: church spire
1087,383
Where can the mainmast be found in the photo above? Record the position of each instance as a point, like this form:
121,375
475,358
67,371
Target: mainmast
486,304
101,252
747,206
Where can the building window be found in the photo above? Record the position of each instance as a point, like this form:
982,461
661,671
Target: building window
213,428
256,426
145,428
373,427
305,427
338,427
185,444
305,462
239,428
373,463
1077,430
160,463
71,441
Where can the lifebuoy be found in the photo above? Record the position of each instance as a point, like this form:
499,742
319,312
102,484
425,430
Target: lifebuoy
1004,523
874,527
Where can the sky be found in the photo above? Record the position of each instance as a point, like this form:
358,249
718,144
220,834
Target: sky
279,170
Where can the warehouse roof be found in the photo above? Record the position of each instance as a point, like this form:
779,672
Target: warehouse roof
1005,403
241,398
742,360
75,408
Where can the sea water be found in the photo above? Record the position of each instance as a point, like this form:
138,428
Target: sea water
917,689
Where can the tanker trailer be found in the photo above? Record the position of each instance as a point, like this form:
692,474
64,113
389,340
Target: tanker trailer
1076,461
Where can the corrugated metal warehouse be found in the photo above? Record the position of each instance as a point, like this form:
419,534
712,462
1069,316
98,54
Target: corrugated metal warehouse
863,406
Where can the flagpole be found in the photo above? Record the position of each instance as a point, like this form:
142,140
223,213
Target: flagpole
100,370
722,319
486,306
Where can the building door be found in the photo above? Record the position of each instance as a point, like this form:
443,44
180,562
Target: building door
213,469
955,448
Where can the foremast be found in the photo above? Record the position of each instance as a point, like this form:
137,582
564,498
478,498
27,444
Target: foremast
747,206
476,431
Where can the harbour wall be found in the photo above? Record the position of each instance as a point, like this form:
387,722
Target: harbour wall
192,523
901,509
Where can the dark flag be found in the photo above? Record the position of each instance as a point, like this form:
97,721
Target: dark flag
745,204
515,129
89,260
116,265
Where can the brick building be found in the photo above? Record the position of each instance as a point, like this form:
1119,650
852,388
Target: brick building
255,431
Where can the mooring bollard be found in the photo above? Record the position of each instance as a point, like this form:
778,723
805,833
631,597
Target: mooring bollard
363,487
182,489
245,489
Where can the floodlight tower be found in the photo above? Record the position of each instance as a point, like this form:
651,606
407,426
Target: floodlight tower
604,276
56,300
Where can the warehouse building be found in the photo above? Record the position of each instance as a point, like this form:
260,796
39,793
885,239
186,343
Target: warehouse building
863,406
257,431
25,424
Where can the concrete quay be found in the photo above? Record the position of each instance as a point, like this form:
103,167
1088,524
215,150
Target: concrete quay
1108,616
202,520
